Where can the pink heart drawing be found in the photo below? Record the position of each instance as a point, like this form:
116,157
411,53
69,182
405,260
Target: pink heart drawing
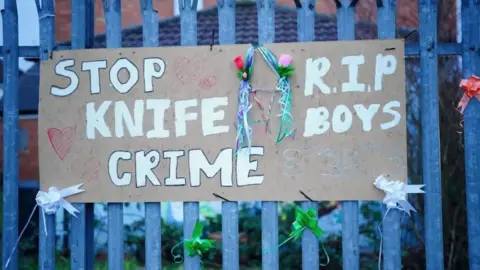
86,168
208,82
61,140
188,70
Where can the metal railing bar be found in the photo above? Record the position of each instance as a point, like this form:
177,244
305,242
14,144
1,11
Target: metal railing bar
270,254
350,209
471,66
77,239
47,42
153,217
113,16
444,49
306,32
188,37
230,233
431,133
10,134
391,231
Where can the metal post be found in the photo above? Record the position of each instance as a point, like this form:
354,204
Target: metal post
230,237
305,33
431,133
10,131
46,14
113,16
392,254
350,209
153,217
471,66
78,225
270,258
188,35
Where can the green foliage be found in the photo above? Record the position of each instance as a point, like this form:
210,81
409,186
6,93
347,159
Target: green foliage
285,71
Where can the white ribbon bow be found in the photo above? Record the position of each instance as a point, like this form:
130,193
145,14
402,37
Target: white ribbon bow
396,193
52,200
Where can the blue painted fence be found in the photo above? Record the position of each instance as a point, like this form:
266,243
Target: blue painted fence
82,252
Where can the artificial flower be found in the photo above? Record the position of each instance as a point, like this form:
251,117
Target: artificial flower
472,89
284,60
244,71
239,62
285,67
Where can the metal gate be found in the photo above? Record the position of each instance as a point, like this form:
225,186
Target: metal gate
82,37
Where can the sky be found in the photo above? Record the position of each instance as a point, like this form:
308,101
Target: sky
28,27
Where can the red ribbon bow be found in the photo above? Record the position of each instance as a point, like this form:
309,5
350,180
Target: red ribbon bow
472,89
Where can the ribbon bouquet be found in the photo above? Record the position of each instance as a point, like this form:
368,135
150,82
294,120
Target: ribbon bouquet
245,71
283,69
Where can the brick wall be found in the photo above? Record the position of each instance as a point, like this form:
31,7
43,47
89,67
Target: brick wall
29,159
131,14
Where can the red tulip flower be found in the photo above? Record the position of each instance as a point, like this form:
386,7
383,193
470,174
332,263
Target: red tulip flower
239,62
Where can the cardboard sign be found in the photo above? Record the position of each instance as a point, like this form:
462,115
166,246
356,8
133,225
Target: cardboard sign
158,124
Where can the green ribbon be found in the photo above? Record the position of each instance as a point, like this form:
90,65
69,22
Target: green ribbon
285,101
195,245
305,220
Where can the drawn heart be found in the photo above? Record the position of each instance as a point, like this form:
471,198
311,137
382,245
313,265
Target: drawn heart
61,140
86,168
188,70
208,82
